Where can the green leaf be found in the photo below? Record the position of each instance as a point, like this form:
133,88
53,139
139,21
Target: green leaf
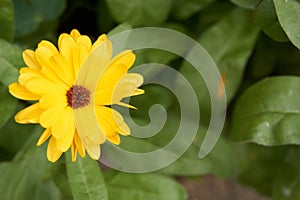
265,17
29,14
183,9
229,53
288,13
13,136
26,177
11,54
247,4
6,19
140,12
85,179
259,165
287,182
59,175
7,105
268,113
124,186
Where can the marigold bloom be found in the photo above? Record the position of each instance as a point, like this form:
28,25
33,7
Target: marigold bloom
74,85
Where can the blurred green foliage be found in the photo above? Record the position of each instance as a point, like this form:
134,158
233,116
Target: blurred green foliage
255,43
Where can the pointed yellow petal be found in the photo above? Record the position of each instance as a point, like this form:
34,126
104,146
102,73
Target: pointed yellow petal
45,135
126,105
138,92
21,92
64,129
49,116
74,152
53,153
79,145
126,58
30,114
30,60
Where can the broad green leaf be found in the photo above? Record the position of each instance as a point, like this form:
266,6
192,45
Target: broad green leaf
85,179
29,14
259,165
287,183
265,17
248,4
11,54
229,52
268,113
288,13
59,176
124,186
12,135
7,105
8,73
140,12
6,19
183,9
26,177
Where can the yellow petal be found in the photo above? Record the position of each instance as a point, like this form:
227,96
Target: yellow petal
45,135
99,41
21,92
87,126
49,116
63,70
75,34
30,114
30,60
50,68
111,121
74,152
114,138
67,46
93,151
79,145
126,58
94,66
84,40
107,84
53,153
48,45
38,85
127,86
64,129
52,99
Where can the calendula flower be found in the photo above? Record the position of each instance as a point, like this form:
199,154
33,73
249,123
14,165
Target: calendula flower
73,87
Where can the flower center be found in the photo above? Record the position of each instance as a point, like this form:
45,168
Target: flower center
78,96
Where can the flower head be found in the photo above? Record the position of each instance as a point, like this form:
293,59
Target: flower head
73,87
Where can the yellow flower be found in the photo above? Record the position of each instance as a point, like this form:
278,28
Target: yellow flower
74,86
